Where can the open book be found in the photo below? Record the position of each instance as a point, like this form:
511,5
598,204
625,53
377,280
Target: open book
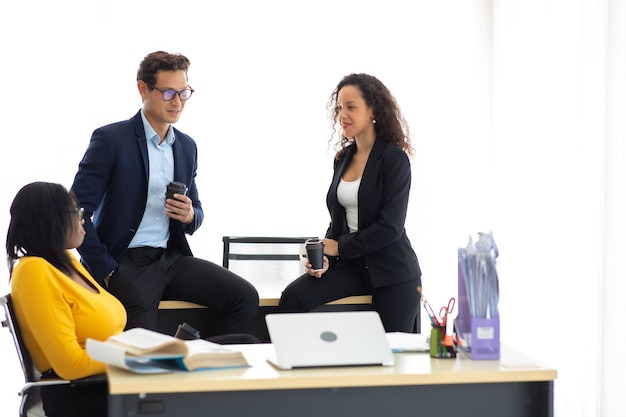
145,351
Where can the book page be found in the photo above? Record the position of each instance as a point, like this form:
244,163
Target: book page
140,342
201,346
112,354
208,355
142,338
106,353
146,351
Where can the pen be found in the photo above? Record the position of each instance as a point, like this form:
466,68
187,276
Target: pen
431,313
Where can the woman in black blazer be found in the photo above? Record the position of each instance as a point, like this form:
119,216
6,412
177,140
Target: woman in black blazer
366,246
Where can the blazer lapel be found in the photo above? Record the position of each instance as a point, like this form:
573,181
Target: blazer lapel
140,136
369,180
339,225
178,161
341,167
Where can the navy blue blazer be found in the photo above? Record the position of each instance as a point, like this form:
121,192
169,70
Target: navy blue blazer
112,185
381,241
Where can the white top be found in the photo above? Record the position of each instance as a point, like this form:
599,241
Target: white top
348,197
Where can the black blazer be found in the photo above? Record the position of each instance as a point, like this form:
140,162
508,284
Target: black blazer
112,184
381,241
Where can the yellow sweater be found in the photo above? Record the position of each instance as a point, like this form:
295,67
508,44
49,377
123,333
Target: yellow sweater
57,315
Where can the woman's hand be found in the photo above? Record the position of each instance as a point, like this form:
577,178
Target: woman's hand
331,247
316,273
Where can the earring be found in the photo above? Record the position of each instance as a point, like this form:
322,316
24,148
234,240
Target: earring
374,121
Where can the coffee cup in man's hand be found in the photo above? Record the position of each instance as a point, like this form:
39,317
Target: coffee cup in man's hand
175,188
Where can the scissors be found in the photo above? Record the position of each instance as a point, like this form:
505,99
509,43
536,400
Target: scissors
447,310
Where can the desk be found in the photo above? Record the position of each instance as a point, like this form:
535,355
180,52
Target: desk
513,386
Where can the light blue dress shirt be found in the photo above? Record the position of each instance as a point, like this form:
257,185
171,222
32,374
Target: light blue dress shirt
154,227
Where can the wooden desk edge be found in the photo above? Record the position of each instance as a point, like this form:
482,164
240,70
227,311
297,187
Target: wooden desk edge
152,386
263,302
262,376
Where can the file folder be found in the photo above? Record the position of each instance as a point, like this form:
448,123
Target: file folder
479,337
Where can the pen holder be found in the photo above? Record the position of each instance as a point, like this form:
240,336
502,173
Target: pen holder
441,345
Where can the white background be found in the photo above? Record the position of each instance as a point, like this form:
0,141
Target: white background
515,126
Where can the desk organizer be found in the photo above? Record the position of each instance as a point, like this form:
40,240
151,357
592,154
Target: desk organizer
479,337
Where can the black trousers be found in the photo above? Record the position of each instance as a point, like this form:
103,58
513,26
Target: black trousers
75,401
396,304
148,275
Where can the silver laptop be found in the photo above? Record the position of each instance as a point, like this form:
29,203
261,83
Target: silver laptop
347,338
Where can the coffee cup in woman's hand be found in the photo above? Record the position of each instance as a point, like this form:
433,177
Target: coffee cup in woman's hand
314,253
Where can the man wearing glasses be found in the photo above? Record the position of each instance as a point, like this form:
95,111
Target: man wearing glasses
135,243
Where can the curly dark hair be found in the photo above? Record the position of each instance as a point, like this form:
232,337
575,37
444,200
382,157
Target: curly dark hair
160,61
390,123
41,215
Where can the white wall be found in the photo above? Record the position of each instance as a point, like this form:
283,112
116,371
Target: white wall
505,100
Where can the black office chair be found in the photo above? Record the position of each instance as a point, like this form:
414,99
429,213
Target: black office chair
269,263
30,405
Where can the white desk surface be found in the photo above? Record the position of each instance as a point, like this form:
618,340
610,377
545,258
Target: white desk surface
409,369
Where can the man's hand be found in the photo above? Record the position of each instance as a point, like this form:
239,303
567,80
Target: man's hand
180,208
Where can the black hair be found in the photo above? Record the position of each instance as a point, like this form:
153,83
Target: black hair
42,213
390,123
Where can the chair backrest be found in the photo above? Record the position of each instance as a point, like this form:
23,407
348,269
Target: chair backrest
10,321
31,405
269,263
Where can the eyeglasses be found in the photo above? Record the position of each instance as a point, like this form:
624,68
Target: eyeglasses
169,94
80,212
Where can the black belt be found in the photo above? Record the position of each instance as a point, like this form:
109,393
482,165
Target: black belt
145,252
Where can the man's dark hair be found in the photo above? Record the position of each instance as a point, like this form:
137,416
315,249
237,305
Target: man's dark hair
160,61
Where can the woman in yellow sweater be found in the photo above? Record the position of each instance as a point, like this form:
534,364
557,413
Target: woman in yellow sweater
57,303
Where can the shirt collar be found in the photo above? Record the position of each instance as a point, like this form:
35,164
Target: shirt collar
152,135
